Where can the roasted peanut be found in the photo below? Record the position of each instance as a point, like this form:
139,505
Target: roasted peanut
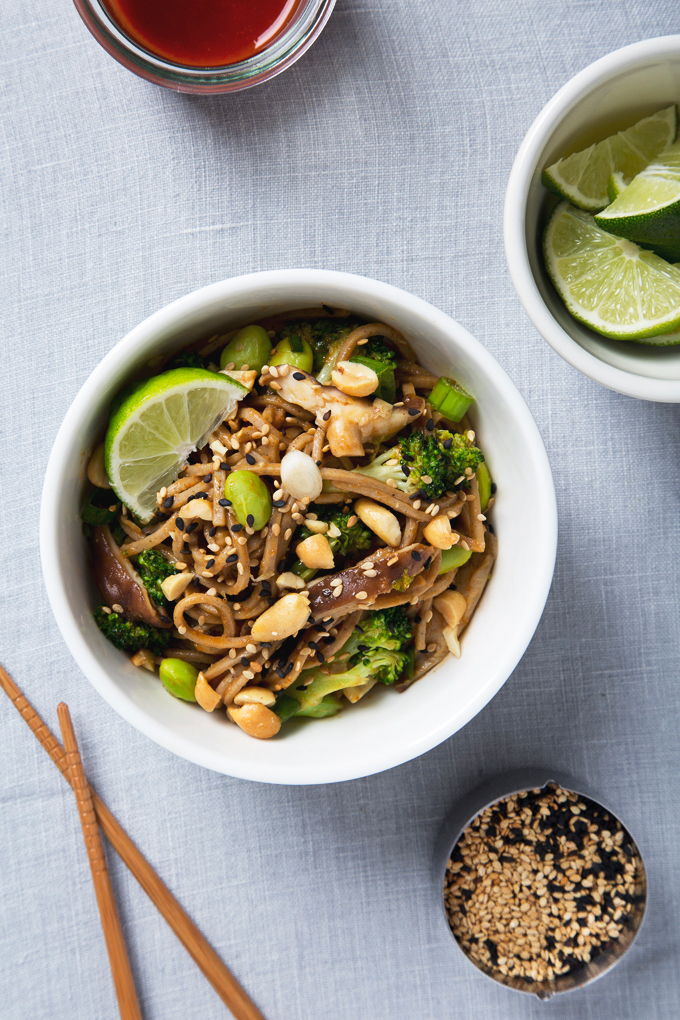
255,720
289,580
439,533
96,469
177,584
452,606
353,379
285,617
318,527
380,520
206,697
200,508
451,638
255,696
316,553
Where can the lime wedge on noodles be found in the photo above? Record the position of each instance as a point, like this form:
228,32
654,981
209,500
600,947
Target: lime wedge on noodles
607,282
582,178
155,428
648,210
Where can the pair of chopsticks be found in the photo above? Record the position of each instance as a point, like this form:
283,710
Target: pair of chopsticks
94,815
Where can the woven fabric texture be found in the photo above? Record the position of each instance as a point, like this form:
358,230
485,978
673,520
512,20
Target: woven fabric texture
384,151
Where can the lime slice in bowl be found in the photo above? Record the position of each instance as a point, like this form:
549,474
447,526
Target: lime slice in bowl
155,428
607,282
616,185
648,210
582,178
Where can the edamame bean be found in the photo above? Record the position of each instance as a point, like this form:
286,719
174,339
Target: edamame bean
249,497
251,346
294,351
452,558
179,678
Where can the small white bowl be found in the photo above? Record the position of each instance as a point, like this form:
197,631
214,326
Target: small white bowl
610,94
387,729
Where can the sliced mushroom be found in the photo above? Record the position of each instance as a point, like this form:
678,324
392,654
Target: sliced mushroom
119,582
374,576
349,421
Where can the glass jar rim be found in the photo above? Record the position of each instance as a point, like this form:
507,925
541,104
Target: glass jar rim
283,51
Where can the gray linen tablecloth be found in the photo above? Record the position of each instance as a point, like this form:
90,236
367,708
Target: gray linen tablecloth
384,151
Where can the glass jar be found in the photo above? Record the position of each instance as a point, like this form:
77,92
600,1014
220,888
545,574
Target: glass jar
283,51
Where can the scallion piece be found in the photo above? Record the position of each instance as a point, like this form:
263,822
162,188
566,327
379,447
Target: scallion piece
450,399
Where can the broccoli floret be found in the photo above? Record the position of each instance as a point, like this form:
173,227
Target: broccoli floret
440,456
186,359
130,636
381,629
377,350
402,583
153,568
350,542
325,337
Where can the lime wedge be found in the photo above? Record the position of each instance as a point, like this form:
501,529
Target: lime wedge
155,428
582,178
648,211
607,282
616,185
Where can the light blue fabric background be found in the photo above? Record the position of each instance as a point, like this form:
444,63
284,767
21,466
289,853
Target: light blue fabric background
384,151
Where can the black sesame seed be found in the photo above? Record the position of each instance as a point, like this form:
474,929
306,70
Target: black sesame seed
448,443
224,502
416,495
416,555
298,375
210,563
249,458
224,466
180,523
326,415
167,503
250,520
430,425
328,640
493,488
328,309
232,558
281,672
237,528
212,532
321,657
278,502
191,527
207,478
413,411
244,661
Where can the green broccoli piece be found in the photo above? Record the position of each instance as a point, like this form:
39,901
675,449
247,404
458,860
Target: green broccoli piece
186,359
325,337
130,636
440,456
377,350
379,629
350,542
153,568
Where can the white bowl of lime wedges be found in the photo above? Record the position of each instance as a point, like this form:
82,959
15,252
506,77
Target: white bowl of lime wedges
390,728
599,282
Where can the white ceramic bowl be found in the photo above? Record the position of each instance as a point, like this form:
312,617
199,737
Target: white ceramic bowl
608,95
382,731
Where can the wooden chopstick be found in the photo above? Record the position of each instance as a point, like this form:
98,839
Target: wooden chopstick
128,1004
198,947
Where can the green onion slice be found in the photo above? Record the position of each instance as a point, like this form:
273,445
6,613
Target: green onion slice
450,399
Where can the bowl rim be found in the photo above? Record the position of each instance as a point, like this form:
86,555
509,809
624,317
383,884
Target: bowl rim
514,216
373,759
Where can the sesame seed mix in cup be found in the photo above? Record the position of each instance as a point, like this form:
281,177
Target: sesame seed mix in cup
540,885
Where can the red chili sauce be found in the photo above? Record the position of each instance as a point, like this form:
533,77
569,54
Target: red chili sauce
202,33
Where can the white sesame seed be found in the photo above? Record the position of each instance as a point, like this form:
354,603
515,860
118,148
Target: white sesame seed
116,608
275,385
163,493
251,649
370,573
274,371
417,504
248,674
337,591
361,595
106,610
211,591
181,630
426,478
481,517
336,581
